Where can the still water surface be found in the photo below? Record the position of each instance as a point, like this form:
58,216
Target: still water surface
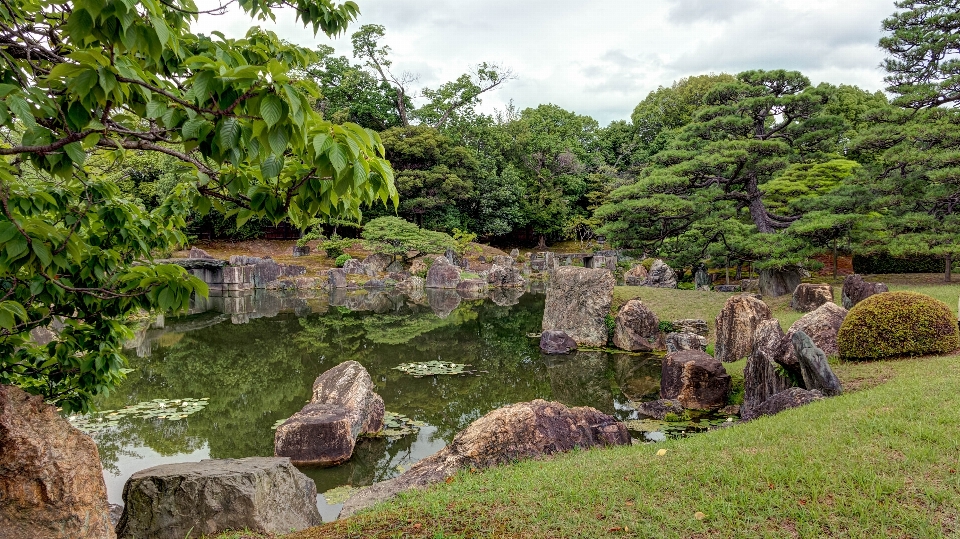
256,359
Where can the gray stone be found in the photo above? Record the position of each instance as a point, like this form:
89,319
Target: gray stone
727,288
301,250
637,328
505,297
661,275
822,325
761,379
855,290
325,431
51,482
337,278
504,261
504,277
701,278
472,288
685,341
266,270
578,301
518,431
816,371
789,398
735,326
378,262
695,379
196,252
354,266
692,325
514,253
659,409
442,301
442,274
779,282
636,276
176,501
556,342
807,297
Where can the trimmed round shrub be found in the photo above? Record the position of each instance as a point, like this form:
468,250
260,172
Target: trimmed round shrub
342,259
898,324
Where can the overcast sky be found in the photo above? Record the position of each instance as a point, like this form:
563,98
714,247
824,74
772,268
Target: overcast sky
602,57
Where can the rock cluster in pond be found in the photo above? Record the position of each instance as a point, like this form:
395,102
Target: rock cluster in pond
808,297
577,303
735,325
325,431
696,379
816,372
556,342
855,290
637,328
518,431
761,379
193,499
51,482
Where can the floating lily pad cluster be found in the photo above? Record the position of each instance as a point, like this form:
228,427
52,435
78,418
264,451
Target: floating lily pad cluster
433,368
672,428
163,409
397,425
340,494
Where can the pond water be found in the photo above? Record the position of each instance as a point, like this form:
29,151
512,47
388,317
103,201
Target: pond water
256,358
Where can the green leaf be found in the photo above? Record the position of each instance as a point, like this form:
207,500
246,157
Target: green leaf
278,140
322,143
271,109
75,151
229,133
338,158
19,106
271,167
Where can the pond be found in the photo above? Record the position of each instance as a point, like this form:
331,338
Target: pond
255,359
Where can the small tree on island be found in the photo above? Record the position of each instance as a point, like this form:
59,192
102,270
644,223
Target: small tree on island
397,237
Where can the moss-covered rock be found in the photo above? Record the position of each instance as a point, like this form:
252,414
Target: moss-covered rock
897,324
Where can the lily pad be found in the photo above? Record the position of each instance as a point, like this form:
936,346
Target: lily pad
433,368
162,409
396,425
340,494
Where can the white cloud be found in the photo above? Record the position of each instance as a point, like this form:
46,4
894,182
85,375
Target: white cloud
602,57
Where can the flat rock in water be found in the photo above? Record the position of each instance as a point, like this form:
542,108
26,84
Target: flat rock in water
789,398
817,373
659,409
637,328
736,323
695,379
578,301
761,380
177,501
808,296
51,482
518,431
855,290
556,342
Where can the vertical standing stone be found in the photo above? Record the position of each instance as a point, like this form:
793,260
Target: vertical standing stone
578,302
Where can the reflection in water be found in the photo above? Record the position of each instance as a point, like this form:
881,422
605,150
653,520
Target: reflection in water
257,359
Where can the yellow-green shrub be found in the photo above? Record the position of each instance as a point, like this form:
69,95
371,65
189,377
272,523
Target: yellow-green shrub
898,324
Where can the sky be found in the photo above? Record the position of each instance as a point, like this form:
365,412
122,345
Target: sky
602,57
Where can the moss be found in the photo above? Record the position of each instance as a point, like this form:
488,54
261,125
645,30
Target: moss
898,324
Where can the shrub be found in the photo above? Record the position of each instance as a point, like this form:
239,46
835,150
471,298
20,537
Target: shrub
898,324
335,245
648,263
667,326
342,259
887,264
611,324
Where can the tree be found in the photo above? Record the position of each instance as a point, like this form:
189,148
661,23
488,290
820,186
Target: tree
100,79
396,237
715,169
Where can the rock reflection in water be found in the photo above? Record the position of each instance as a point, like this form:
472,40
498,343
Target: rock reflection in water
638,375
580,379
443,301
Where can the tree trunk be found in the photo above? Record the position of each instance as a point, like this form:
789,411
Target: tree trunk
726,267
834,258
948,268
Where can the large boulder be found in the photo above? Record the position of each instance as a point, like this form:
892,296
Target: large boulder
325,431
786,399
822,325
807,297
337,278
442,274
524,430
193,499
696,379
637,328
556,342
855,290
636,276
675,342
504,276
51,482
691,325
816,372
578,301
472,288
761,379
778,282
355,266
736,323
661,275
503,261
378,262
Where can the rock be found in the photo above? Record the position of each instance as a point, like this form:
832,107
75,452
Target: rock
471,289
760,377
337,278
442,301
685,341
116,511
378,262
637,328
750,285
701,278
822,325
190,499
301,250
514,253
661,275
410,284
727,288
636,276
51,482
855,290
325,431
807,297
505,297
696,379
504,261
266,270
691,325
354,266
518,431
196,252
733,409
814,366
578,301
442,274
504,277
789,398
779,282
556,342
736,323
374,284
659,409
